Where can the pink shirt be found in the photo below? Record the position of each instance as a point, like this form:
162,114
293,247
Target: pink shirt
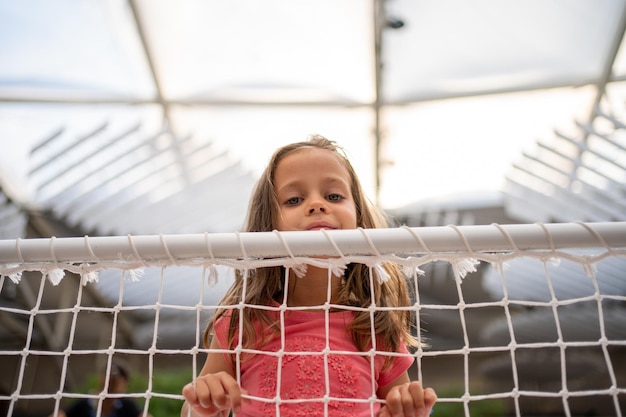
303,376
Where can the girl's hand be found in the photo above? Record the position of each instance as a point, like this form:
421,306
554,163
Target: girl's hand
408,400
213,395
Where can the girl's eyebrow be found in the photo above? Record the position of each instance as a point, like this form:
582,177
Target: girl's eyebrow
329,180
290,186
337,180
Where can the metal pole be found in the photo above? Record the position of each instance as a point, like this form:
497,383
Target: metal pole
379,21
399,241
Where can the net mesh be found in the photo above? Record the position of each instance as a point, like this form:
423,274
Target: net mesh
515,327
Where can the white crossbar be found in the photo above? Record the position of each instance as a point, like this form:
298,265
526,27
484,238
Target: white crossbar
399,241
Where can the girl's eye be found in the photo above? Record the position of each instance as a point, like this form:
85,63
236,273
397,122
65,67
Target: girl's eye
293,201
334,197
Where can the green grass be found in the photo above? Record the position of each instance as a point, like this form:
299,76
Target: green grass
163,382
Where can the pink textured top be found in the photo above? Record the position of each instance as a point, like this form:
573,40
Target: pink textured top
350,374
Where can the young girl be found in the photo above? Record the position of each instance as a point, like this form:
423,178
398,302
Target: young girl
310,186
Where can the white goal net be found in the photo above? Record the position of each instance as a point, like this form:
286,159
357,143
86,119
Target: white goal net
516,320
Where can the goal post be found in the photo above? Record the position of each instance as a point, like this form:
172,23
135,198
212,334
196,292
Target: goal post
400,241
518,319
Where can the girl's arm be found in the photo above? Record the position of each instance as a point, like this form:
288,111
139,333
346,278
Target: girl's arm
215,390
406,398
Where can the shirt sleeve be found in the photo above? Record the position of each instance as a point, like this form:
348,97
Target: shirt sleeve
398,366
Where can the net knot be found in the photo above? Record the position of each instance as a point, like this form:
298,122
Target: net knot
244,272
412,270
499,266
212,275
553,260
590,269
55,276
135,274
338,270
464,266
381,273
15,276
297,267
87,276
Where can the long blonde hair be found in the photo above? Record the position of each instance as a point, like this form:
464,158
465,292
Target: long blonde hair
265,284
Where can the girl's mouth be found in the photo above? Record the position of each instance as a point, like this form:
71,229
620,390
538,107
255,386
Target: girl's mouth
320,226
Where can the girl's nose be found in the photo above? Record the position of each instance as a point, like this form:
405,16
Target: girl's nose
317,207
317,204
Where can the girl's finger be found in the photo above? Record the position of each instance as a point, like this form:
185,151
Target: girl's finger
410,395
394,402
216,395
416,393
190,394
430,398
383,412
233,391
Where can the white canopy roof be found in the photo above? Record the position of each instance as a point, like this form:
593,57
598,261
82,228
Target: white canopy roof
145,116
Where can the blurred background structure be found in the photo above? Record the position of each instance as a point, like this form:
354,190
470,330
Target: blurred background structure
142,117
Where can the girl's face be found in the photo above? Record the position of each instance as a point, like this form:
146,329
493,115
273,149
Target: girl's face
313,189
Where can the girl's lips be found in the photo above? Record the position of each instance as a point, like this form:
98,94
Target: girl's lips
319,226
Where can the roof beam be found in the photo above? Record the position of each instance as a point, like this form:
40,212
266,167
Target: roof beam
141,32
339,102
379,21
607,70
